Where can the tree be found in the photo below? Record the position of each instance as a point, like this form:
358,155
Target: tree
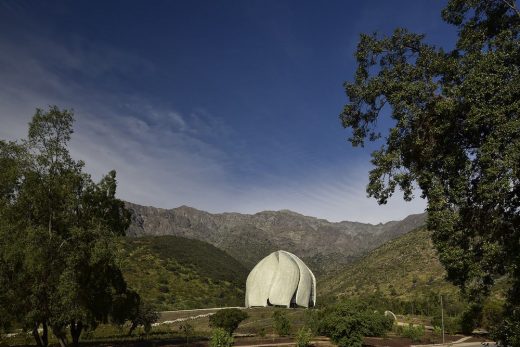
144,316
455,135
58,265
228,319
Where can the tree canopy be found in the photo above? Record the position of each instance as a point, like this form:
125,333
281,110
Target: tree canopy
455,135
58,265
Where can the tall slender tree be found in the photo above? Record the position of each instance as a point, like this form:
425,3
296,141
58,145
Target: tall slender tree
455,135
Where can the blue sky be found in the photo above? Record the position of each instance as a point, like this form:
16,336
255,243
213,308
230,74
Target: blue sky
219,105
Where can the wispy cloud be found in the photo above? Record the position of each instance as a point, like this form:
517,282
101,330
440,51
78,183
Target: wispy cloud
165,157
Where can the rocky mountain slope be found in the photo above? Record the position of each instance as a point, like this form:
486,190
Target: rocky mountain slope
248,238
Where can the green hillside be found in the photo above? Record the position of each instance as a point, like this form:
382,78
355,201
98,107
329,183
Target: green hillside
173,273
403,268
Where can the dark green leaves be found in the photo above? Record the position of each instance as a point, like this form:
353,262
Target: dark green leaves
455,135
59,267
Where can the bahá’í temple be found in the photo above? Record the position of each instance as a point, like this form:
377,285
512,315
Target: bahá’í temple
281,279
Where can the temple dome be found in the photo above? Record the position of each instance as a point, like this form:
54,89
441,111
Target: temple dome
281,279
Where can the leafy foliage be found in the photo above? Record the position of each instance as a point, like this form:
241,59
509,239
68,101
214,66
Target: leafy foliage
221,338
451,323
414,333
281,323
348,322
303,337
145,317
228,319
455,134
492,312
57,264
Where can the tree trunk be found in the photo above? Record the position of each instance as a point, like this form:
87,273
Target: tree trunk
75,332
59,332
45,334
36,335
132,328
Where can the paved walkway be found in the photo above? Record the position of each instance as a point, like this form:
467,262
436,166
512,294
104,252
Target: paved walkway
203,309
315,343
466,338
462,344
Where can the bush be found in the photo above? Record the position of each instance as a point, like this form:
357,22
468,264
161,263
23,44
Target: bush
377,324
282,326
347,323
436,335
303,337
414,333
354,340
313,319
221,338
451,324
227,319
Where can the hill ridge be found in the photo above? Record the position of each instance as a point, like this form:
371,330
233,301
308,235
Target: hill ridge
250,237
405,267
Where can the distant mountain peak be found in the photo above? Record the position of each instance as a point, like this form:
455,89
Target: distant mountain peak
250,237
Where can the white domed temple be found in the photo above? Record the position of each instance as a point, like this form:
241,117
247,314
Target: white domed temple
281,279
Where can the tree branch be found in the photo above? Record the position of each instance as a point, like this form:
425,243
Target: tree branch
512,5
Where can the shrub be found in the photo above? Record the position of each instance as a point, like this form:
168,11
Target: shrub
348,322
227,319
282,326
220,338
354,318
350,341
451,324
414,333
345,330
436,334
303,337
313,319
376,324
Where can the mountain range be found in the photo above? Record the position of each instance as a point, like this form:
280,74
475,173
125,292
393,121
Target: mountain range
323,245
